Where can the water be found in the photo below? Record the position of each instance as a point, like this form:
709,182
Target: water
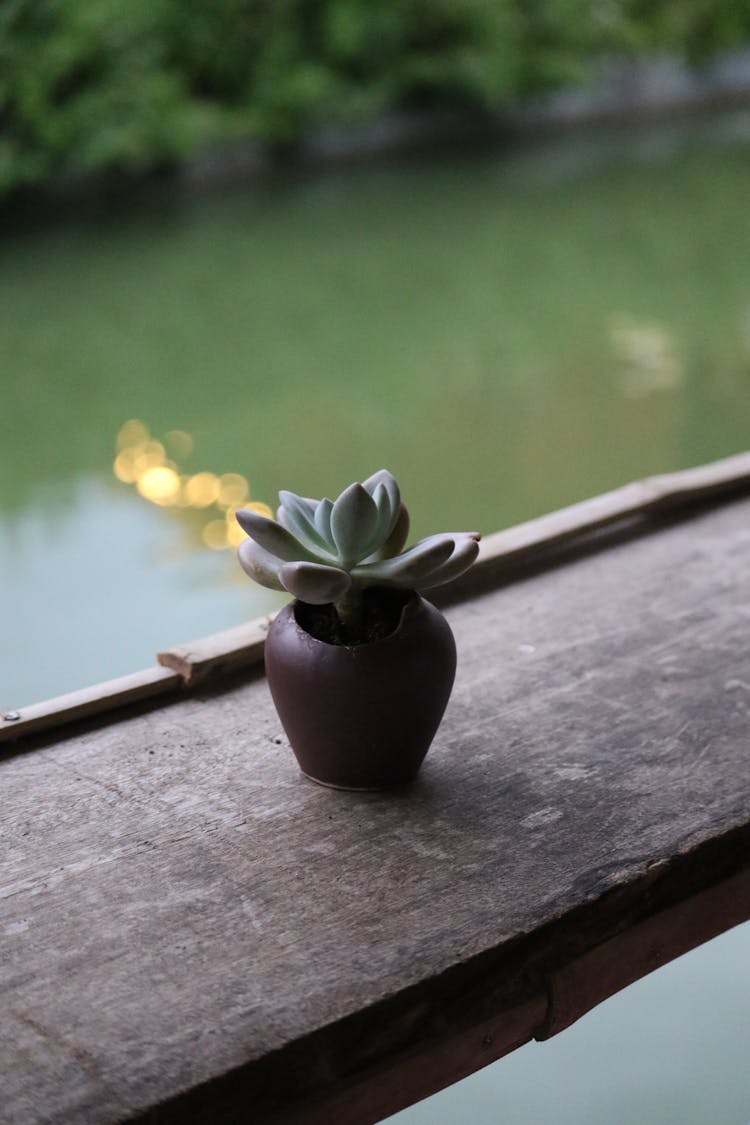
507,333
672,1049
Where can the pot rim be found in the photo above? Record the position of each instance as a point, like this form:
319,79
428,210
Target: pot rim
413,603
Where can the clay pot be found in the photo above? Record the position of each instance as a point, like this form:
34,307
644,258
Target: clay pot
362,716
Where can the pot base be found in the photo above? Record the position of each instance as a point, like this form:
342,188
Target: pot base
358,788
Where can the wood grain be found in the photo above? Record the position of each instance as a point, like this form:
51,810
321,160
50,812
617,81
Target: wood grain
504,556
191,932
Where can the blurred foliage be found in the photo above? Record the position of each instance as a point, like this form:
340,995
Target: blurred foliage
90,87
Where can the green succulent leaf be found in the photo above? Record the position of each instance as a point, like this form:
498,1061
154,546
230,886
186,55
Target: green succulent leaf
396,539
272,536
382,476
297,514
386,516
383,488
322,551
314,582
466,551
400,532
382,503
323,521
261,566
382,526
410,568
354,521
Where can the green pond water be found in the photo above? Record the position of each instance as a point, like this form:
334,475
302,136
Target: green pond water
507,332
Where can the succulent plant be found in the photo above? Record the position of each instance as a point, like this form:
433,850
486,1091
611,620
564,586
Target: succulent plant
324,551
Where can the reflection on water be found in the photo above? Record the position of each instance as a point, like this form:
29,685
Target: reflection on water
647,355
147,464
505,338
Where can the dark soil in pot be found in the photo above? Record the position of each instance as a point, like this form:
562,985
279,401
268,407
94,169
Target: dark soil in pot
361,716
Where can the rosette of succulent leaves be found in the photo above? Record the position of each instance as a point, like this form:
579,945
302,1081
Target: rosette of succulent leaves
324,551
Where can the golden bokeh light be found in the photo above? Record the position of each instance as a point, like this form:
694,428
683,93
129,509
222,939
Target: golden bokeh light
261,508
134,460
160,484
214,535
124,467
234,533
182,501
179,443
233,490
149,454
143,461
202,490
132,432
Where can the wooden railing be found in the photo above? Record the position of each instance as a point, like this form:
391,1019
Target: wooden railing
192,932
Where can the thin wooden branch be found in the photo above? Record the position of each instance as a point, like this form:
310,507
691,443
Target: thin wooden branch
670,494
87,702
502,557
219,654
504,553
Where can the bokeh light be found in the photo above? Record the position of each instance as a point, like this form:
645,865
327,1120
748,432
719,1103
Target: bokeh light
233,489
159,484
145,462
214,535
202,490
132,432
261,508
179,443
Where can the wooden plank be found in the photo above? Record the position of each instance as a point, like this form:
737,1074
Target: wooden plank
601,972
219,654
441,1060
87,703
503,557
505,554
192,932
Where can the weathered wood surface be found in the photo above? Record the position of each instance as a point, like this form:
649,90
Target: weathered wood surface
190,931
502,557
503,554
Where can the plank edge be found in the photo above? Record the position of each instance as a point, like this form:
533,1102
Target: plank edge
502,558
400,1077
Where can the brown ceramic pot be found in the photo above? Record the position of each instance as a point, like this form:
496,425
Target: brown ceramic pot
362,716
